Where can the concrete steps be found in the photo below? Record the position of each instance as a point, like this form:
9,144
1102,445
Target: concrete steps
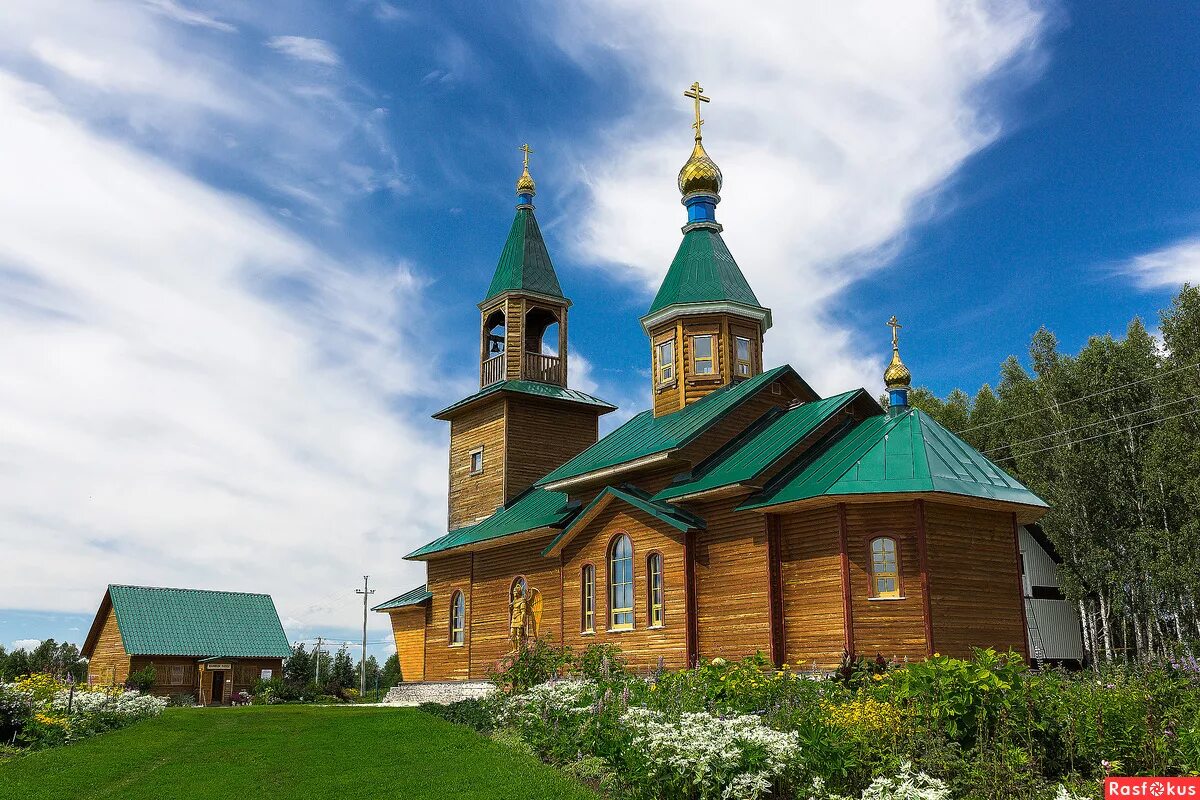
413,693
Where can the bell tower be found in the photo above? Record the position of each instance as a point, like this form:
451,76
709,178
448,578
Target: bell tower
524,421
705,325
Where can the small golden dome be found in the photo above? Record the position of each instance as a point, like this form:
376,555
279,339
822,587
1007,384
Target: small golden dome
700,173
525,184
897,376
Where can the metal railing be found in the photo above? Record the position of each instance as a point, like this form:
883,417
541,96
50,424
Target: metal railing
492,371
543,368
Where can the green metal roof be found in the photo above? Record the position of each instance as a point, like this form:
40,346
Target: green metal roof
664,512
646,435
703,271
525,264
761,446
909,452
195,622
545,390
410,598
535,508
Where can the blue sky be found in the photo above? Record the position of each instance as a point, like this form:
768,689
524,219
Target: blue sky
240,248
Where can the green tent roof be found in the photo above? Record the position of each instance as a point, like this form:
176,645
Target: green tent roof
195,622
761,446
703,271
545,390
909,452
646,435
525,264
410,598
535,508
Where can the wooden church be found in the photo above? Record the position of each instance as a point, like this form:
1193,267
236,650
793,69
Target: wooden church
742,512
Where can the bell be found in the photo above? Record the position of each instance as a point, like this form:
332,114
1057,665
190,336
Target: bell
495,345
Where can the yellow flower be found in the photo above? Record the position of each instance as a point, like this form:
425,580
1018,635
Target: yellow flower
878,677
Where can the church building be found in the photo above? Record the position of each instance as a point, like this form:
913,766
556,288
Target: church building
742,512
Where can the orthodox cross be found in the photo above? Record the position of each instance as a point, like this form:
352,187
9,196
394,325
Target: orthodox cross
525,149
696,94
895,326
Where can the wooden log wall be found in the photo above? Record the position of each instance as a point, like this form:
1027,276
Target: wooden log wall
109,663
974,580
443,576
893,628
643,646
408,629
541,437
813,620
495,570
732,582
475,496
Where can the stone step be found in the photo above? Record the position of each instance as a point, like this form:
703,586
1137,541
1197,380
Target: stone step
413,693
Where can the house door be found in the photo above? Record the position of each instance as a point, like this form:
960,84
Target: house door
218,687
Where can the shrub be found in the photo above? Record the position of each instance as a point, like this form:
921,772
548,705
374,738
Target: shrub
143,679
182,700
479,714
537,662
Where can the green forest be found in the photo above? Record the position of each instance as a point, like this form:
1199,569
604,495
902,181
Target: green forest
1110,437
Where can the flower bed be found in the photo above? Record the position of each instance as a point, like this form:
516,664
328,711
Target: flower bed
939,729
39,711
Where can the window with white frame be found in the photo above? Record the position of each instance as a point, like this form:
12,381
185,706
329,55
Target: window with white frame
665,361
703,359
744,358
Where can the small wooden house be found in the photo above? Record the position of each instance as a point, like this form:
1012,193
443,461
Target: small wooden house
203,643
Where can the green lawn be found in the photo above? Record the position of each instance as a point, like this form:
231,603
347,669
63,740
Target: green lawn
277,752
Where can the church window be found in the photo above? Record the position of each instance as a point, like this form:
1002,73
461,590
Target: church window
588,588
744,367
457,614
666,361
620,584
477,461
654,569
702,354
518,581
885,572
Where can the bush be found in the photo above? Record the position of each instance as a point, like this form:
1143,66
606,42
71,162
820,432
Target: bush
39,711
478,714
537,662
182,700
143,679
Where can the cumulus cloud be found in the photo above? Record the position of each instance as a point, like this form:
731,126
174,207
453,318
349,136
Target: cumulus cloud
1169,266
194,394
25,644
302,48
831,123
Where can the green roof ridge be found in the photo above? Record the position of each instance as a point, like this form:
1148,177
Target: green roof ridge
161,621
525,264
703,271
678,518
412,597
534,508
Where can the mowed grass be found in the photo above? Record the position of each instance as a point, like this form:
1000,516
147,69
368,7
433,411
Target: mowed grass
285,752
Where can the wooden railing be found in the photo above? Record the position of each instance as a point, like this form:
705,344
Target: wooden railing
543,368
491,371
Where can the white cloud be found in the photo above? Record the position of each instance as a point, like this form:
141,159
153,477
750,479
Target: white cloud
302,48
186,16
831,124
25,644
193,394
1170,266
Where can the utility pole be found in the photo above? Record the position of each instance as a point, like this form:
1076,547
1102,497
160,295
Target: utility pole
362,669
319,640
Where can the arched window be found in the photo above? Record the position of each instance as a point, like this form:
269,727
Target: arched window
457,615
620,584
654,583
885,568
518,581
587,590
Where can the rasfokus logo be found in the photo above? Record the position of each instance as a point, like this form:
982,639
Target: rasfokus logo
1151,787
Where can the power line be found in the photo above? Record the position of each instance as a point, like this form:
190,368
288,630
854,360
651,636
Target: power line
1078,399
1102,435
1089,425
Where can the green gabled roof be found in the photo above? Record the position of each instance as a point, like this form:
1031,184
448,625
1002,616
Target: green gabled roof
762,447
545,390
194,622
674,516
536,508
703,271
909,452
410,598
525,264
646,435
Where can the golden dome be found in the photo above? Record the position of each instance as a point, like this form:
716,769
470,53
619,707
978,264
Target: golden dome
897,376
700,173
525,184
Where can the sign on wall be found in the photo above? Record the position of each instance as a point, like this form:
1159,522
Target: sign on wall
265,674
215,667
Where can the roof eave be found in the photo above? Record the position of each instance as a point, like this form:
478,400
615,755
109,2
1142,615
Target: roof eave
608,472
669,312
490,301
